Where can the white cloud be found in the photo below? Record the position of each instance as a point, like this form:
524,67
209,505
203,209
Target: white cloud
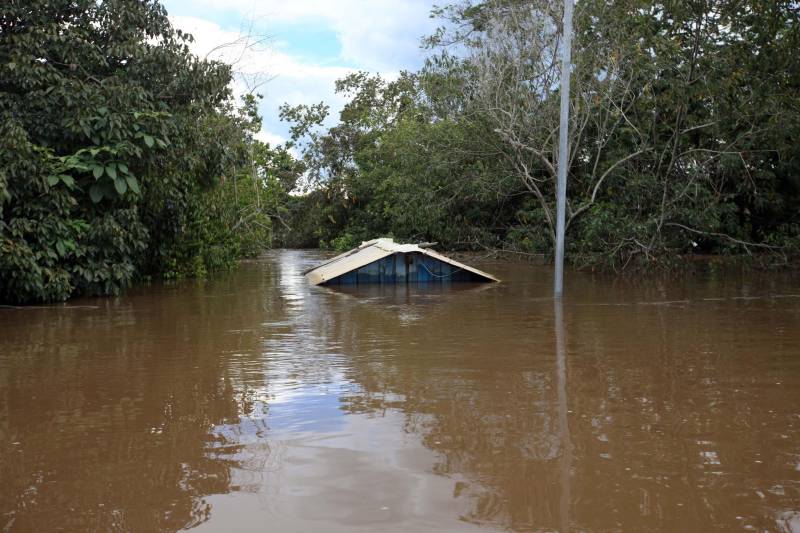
285,78
380,36
270,138
374,34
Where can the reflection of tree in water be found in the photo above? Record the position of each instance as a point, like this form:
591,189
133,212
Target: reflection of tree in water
151,403
479,395
106,414
683,426
675,411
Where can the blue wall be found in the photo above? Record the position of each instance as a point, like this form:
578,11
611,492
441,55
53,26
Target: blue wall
405,268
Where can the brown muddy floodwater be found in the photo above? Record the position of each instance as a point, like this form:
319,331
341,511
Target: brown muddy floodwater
253,402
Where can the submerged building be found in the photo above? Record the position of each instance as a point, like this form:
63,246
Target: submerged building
385,261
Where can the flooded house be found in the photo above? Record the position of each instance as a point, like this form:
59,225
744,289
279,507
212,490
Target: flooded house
385,261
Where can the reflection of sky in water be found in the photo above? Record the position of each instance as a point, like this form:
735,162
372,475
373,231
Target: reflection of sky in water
294,385
429,413
285,413
221,406
311,408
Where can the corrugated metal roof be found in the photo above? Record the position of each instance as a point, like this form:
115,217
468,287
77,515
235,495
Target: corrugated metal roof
374,250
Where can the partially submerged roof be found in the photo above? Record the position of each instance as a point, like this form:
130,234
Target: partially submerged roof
376,261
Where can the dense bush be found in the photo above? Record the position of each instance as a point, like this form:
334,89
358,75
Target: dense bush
115,142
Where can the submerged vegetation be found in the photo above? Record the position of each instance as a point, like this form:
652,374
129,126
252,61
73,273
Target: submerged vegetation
123,156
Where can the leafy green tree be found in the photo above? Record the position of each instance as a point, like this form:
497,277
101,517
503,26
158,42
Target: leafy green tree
392,167
683,120
114,139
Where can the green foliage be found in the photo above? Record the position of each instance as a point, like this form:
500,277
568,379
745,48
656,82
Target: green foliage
391,168
123,156
683,136
115,142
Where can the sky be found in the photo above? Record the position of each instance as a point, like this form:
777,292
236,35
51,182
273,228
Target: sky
310,44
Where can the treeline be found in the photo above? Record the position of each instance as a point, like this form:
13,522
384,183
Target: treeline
684,125
122,155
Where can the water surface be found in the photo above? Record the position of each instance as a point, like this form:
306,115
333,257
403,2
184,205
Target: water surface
253,402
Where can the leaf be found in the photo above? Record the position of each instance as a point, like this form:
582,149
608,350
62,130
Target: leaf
68,180
133,183
95,193
149,140
60,248
111,170
107,188
97,171
123,167
121,185
52,179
